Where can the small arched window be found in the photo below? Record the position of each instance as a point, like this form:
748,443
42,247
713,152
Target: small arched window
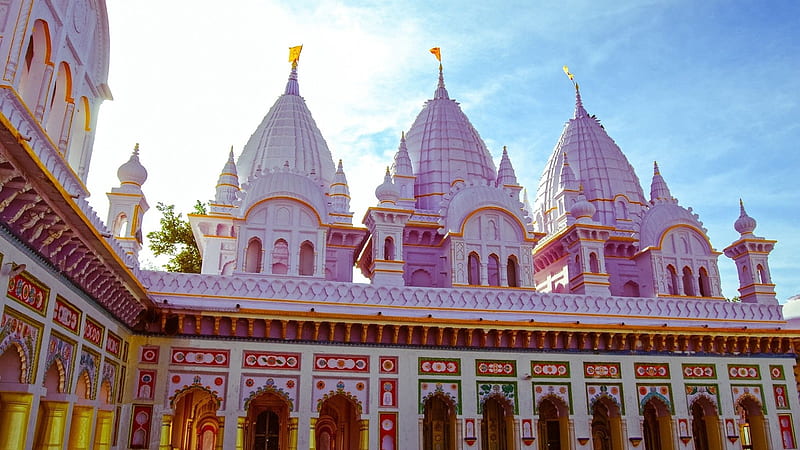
688,281
252,258
630,289
280,257
763,278
511,269
494,270
672,282
61,96
388,249
705,286
473,269
37,57
120,227
306,258
81,121
594,264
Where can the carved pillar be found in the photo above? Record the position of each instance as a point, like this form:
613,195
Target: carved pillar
240,423
52,424
102,430
80,431
363,434
166,433
293,425
15,408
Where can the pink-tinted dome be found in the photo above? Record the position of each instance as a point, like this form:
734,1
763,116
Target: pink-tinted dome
288,133
444,147
598,163
744,224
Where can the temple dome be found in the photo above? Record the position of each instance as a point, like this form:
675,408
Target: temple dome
284,183
598,164
288,133
444,147
132,171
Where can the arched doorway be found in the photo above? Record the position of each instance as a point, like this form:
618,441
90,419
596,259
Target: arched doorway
705,425
553,424
267,423
656,427
195,424
606,425
752,430
439,424
497,425
338,425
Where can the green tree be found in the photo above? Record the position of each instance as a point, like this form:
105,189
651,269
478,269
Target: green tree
176,240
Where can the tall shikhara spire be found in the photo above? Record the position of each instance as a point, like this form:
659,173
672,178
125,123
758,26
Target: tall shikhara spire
659,191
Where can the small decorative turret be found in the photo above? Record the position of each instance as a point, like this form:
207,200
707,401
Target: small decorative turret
505,172
228,183
568,181
745,224
340,192
582,210
403,174
751,255
659,191
127,205
387,193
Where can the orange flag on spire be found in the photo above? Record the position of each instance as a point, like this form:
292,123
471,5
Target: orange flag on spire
294,53
437,52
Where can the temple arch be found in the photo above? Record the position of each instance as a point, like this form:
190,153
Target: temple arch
268,422
194,422
473,269
37,69
512,271
494,270
752,427
439,423
553,425
306,267
606,425
497,424
656,426
338,424
252,258
280,257
705,424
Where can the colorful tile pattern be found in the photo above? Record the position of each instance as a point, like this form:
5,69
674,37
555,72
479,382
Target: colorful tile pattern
439,366
507,390
17,329
495,368
550,369
342,363
145,384
149,355
388,396
271,360
61,349
776,372
113,344
388,430
200,357
595,392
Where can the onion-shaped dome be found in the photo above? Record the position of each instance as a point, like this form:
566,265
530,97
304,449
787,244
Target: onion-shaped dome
596,160
288,133
745,224
445,148
132,171
582,210
387,193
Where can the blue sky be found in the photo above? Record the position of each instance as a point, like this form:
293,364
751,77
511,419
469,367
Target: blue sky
711,90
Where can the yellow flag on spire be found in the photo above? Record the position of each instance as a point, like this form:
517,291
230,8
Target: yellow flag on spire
294,54
437,52
566,71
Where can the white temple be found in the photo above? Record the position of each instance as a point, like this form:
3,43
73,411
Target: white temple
592,318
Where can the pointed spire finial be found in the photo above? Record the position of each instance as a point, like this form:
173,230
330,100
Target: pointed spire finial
745,224
441,91
230,155
403,136
136,149
655,168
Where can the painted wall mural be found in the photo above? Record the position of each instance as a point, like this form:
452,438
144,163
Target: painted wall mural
388,395
270,360
93,331
213,383
61,349
776,372
744,372
387,364
149,354
113,344
284,386
141,419
506,390
708,391
356,389
748,390
109,374
662,392
200,357
388,430
559,392
449,389
90,365
595,392
25,335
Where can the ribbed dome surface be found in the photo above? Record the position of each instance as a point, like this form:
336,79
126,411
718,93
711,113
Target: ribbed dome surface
288,133
444,146
598,164
285,183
